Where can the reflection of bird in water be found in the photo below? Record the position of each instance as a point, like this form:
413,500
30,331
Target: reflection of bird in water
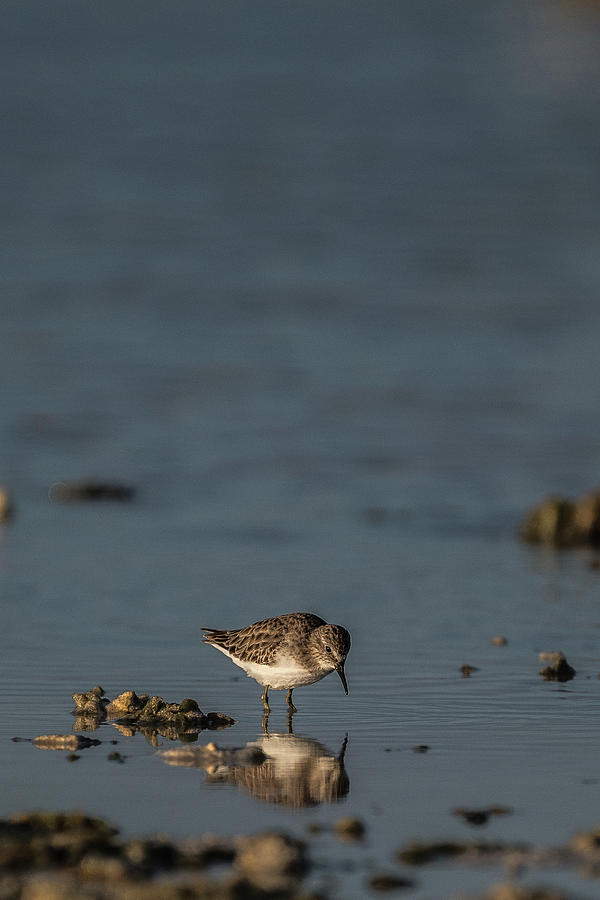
284,769
297,772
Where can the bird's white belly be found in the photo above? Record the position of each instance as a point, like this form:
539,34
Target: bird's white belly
285,674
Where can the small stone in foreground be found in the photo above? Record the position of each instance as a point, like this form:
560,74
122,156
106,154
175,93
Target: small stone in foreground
587,843
216,721
472,816
418,853
271,861
523,892
386,882
467,670
61,492
115,756
350,828
559,669
564,523
480,816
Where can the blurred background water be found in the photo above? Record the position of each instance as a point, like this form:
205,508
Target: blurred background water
321,282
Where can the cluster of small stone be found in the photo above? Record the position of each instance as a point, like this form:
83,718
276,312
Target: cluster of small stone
144,711
563,522
59,856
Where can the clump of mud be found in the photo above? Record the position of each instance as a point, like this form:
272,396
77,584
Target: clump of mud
562,522
64,856
350,828
152,716
480,817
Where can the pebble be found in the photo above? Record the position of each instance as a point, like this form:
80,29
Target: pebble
349,828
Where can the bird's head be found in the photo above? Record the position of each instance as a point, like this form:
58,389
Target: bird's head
330,645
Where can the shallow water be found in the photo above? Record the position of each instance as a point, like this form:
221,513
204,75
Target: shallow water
322,284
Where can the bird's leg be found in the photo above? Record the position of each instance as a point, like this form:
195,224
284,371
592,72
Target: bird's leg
265,722
265,699
288,700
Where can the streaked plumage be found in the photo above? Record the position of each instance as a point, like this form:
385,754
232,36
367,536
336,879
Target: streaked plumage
286,651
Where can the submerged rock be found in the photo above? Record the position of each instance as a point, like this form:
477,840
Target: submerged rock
499,640
420,853
480,816
115,756
558,669
67,492
468,670
385,881
562,522
349,828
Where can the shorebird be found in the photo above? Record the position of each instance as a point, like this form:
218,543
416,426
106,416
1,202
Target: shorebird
285,652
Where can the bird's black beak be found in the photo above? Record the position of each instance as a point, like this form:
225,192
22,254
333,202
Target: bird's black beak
340,670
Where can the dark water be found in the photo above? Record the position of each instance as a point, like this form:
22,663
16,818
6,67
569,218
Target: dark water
321,281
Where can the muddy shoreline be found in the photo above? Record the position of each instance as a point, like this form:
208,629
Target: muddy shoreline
50,855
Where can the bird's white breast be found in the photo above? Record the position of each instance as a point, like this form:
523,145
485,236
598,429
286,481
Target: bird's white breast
286,673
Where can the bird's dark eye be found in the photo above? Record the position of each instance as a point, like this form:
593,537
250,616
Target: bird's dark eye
327,649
